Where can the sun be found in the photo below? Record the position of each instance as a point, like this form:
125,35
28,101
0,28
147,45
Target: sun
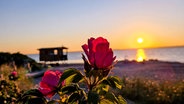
140,40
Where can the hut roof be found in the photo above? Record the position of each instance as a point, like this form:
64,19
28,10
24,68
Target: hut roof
53,48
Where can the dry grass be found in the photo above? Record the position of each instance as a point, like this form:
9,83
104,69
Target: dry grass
23,82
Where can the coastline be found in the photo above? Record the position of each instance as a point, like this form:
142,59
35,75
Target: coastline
164,54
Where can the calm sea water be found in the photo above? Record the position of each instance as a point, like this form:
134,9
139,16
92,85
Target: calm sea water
165,54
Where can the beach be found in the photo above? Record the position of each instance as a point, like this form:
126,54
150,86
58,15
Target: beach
152,69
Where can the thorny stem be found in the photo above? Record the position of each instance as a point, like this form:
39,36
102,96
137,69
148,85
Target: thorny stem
87,82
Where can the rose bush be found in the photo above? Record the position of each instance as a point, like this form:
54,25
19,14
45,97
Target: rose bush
93,86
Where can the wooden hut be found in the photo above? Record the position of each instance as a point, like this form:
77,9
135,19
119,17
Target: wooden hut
53,54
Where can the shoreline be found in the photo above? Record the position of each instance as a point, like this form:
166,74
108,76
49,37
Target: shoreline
163,54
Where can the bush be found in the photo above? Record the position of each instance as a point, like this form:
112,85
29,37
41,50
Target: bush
93,85
11,90
146,91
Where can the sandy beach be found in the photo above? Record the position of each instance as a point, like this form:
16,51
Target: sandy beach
153,69
156,70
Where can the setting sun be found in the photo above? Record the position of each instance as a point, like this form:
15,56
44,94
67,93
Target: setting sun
140,40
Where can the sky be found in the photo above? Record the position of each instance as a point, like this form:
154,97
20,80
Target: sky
27,25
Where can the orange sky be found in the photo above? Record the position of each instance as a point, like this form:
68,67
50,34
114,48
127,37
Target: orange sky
26,26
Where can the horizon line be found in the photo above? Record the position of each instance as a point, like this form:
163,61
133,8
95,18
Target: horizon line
128,48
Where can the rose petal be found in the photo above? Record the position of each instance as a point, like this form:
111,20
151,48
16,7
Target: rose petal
46,90
90,44
50,82
101,52
50,78
108,59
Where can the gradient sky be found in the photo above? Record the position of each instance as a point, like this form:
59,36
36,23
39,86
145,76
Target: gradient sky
26,25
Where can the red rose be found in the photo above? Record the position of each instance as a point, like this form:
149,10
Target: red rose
14,73
98,52
49,83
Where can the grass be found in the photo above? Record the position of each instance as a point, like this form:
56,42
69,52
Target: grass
145,91
11,90
23,83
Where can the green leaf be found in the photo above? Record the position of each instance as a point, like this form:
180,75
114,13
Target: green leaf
121,100
67,73
93,97
102,92
109,82
105,101
105,82
112,81
52,102
36,101
77,77
32,97
115,79
74,97
111,97
70,89
29,94
33,92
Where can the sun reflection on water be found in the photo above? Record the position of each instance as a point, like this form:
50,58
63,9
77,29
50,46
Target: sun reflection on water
140,56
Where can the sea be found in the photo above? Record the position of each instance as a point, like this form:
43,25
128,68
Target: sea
171,54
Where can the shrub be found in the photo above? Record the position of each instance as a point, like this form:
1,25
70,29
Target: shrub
146,91
12,88
91,86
